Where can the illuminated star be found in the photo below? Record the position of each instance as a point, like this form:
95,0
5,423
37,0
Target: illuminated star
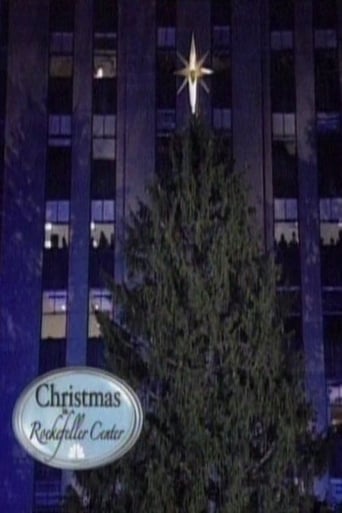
193,73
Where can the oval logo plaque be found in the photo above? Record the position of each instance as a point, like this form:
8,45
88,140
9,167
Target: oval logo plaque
77,418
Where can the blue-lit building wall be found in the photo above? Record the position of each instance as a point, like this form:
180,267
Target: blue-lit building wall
89,108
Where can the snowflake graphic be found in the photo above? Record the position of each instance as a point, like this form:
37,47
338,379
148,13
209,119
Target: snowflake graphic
76,452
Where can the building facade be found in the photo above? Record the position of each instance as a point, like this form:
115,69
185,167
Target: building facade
87,106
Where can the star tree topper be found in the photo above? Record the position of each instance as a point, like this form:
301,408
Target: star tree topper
193,74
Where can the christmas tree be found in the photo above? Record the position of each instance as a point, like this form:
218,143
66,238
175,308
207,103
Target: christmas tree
201,338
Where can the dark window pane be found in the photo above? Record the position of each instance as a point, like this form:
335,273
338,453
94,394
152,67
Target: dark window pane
166,13
283,93
103,179
95,352
55,268
333,345
61,15
58,173
163,158
166,80
4,22
101,264
324,14
281,14
60,95
220,12
221,87
329,156
51,354
327,81
105,15
104,96
293,327
284,166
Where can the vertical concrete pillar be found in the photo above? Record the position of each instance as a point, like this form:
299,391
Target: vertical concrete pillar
80,185
247,99
22,234
309,222
136,112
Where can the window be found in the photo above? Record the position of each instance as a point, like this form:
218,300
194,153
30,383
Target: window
283,95
281,14
104,95
283,126
333,357
51,356
331,240
166,13
100,300
325,38
104,125
59,130
220,12
222,119
105,15
103,179
54,314
57,224
166,37
104,56
166,80
163,157
335,410
329,160
60,66
61,43
61,15
282,39
95,352
324,14
221,80
104,128
284,167
286,239
60,95
166,121
58,173
221,36
327,80
102,223
55,268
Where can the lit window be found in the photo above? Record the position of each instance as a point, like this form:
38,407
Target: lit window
102,223
61,42
286,221
166,37
221,36
105,55
104,125
331,221
60,66
54,314
281,40
287,241
222,119
100,300
325,38
59,130
166,120
56,224
283,125
103,148
335,402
